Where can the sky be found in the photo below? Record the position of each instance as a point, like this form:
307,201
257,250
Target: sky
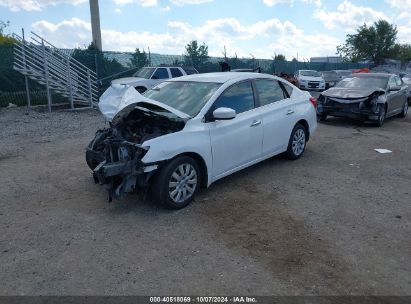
248,28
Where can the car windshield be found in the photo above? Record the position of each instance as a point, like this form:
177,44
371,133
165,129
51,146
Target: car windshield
330,74
310,73
187,97
363,82
144,73
344,73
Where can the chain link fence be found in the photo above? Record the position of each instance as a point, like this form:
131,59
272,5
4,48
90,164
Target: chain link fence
111,65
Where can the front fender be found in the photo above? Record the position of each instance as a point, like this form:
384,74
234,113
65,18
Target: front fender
186,141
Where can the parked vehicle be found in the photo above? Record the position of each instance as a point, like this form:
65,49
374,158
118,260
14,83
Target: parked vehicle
331,78
148,77
406,78
310,80
190,131
370,96
343,73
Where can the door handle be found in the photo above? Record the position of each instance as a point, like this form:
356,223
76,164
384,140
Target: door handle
256,123
289,112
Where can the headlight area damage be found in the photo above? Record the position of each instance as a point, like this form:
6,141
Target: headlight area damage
350,103
115,154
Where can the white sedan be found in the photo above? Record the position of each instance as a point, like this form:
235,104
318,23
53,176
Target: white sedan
193,130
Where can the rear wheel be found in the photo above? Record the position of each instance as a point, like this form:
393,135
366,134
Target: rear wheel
404,111
381,116
177,183
297,142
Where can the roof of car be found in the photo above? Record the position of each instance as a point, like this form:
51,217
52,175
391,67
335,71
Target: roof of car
220,77
378,75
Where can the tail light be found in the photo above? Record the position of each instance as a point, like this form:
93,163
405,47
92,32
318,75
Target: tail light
313,101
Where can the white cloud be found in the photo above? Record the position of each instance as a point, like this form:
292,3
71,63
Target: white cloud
279,37
35,5
143,3
275,2
349,16
189,2
400,4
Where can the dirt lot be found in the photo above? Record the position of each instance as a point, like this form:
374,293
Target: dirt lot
336,222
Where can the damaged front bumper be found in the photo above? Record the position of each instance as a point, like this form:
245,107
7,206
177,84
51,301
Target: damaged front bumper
359,109
122,170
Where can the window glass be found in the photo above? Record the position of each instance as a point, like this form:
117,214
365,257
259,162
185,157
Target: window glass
187,97
392,82
238,97
288,88
269,91
160,73
398,81
175,72
144,73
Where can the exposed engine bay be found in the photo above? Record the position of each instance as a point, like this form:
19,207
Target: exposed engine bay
116,152
141,125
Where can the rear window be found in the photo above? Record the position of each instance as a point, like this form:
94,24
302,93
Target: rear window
190,70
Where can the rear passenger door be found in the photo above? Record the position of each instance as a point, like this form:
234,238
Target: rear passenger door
277,112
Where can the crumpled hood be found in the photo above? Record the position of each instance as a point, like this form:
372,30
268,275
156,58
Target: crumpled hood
351,93
126,80
116,99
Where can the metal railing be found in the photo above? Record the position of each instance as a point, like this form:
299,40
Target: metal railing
42,62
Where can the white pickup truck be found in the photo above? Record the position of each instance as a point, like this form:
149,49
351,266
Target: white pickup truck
148,77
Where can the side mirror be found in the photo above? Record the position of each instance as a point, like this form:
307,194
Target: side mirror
224,114
155,77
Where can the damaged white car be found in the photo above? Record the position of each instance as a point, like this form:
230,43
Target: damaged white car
193,130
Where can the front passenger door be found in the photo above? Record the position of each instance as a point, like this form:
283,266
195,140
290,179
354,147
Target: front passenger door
235,142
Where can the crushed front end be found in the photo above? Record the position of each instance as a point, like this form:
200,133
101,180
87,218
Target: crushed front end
362,107
122,169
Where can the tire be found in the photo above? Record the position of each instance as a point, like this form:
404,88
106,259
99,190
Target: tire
297,142
177,183
322,117
381,116
404,111
95,150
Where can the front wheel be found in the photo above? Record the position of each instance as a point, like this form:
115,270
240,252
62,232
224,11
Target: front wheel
297,142
177,183
404,111
381,116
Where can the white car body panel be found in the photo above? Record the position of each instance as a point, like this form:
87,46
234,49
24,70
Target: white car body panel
231,145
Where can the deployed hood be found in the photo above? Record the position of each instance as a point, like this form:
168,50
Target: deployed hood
126,80
118,101
352,93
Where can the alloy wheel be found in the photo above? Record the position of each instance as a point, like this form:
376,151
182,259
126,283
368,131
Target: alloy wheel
298,143
183,183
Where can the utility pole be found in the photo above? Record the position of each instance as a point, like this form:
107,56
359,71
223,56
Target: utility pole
95,24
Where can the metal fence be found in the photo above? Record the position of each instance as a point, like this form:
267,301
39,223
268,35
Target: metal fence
12,83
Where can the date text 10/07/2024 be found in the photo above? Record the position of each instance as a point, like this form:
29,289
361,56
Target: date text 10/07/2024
203,300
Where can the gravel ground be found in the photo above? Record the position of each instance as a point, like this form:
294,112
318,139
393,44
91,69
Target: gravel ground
336,222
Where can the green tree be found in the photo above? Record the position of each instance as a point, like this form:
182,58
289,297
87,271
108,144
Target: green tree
376,42
4,38
139,59
404,53
279,57
95,60
196,55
